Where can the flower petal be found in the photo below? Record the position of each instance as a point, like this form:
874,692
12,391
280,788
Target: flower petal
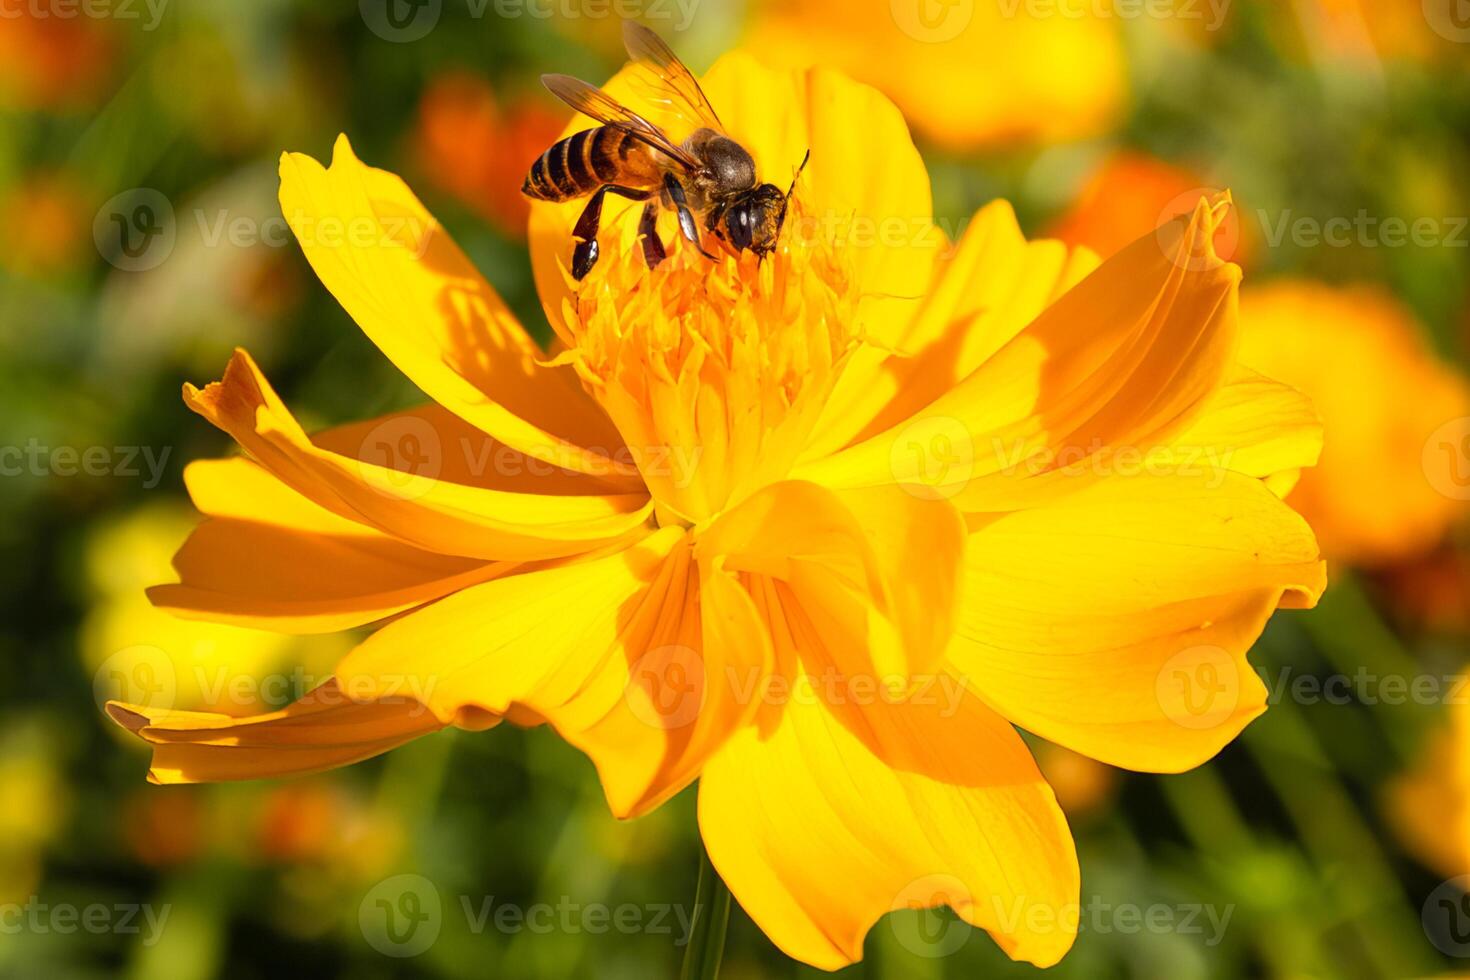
271,559
985,290
265,577
1125,358
1251,425
830,813
417,505
620,654
1115,621
878,566
323,730
415,294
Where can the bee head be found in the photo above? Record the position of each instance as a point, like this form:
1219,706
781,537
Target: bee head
754,219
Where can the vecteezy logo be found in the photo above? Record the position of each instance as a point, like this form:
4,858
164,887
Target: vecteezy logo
1447,459
933,458
143,676
402,457
666,688
932,21
135,230
1446,916
1450,19
401,21
401,916
1199,688
931,930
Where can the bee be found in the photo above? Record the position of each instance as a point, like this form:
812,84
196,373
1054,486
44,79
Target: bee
708,180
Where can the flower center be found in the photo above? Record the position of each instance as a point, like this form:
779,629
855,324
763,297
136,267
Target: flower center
714,372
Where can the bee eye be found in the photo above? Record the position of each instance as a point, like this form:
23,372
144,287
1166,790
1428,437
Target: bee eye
740,227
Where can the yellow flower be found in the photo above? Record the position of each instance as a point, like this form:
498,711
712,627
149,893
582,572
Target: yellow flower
817,532
1429,806
37,802
1388,486
965,74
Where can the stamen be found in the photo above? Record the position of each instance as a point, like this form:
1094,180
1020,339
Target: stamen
715,373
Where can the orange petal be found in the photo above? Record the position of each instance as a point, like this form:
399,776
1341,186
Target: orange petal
421,507
1125,358
323,730
265,577
613,652
414,293
1115,621
272,559
986,289
877,566
1251,425
834,810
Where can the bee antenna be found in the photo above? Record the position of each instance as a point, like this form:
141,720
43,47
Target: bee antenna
797,175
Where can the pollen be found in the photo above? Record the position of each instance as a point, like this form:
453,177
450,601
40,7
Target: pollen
714,371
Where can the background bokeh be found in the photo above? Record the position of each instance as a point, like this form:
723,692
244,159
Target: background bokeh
142,242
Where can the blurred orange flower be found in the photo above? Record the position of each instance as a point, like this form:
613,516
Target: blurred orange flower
51,62
165,826
1380,493
1432,590
1129,191
471,146
48,218
966,75
1359,30
1082,785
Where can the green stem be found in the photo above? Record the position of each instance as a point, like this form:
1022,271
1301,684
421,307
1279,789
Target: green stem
709,922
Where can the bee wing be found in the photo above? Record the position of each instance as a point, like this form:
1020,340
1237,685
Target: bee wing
666,81
593,101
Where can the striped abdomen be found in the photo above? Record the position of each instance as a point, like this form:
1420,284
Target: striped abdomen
583,162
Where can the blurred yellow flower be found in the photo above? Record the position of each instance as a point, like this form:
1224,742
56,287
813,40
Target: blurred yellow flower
815,530
965,75
1381,493
37,803
1429,805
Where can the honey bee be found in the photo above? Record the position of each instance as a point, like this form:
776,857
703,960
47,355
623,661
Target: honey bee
708,179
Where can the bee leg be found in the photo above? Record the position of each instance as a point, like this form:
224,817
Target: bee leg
687,224
585,255
653,246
